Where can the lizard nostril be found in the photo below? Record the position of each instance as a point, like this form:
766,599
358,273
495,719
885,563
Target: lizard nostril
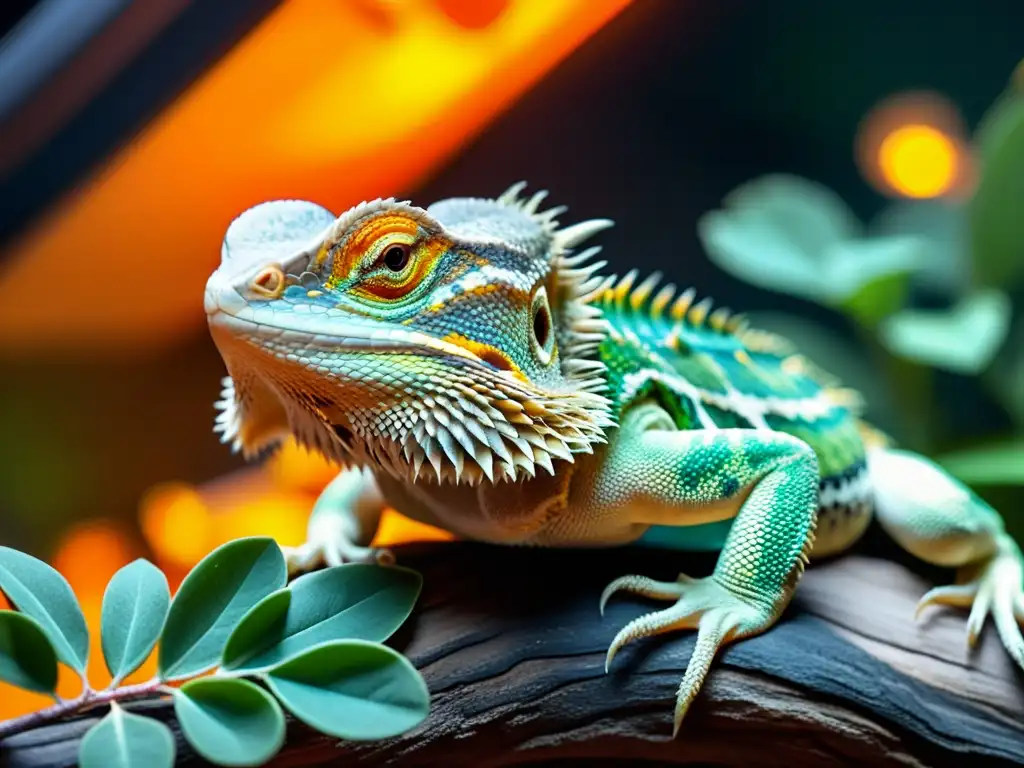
269,283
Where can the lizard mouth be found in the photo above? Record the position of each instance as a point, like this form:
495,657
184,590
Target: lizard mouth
324,328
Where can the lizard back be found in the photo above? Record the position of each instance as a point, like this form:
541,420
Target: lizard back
708,368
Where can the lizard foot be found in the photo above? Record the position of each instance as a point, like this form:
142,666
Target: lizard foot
717,614
328,544
993,587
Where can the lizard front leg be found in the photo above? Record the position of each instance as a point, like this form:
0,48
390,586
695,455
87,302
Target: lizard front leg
342,525
661,475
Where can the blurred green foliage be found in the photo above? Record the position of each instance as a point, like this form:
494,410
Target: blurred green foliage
796,237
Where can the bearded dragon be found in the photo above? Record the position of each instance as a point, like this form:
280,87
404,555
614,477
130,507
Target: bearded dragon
473,369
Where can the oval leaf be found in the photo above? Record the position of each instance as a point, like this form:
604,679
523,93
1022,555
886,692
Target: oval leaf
999,464
124,740
352,689
218,592
359,601
135,606
230,721
963,339
996,226
262,627
39,591
27,657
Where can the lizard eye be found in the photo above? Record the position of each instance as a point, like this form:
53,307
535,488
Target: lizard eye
396,257
543,335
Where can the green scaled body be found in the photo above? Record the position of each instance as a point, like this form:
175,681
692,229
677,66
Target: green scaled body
707,368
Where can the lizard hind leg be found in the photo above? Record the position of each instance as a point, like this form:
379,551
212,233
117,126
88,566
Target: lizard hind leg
773,479
936,518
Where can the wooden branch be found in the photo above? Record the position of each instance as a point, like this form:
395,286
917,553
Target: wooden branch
512,646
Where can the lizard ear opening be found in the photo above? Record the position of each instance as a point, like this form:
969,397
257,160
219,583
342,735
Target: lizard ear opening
543,332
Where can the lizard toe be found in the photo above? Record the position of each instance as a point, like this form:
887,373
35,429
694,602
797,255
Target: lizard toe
717,614
992,589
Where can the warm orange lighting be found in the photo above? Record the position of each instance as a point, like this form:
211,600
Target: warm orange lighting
89,554
279,514
325,100
915,145
918,161
295,468
396,529
176,523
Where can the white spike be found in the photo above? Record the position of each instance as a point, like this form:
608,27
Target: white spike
575,234
484,458
452,450
542,458
530,206
568,262
548,217
511,195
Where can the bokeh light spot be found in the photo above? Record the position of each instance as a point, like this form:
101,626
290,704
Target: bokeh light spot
90,554
176,523
295,468
918,161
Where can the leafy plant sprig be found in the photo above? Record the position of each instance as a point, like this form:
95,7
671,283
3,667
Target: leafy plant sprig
238,646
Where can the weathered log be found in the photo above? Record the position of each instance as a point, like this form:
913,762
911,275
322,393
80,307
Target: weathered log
512,646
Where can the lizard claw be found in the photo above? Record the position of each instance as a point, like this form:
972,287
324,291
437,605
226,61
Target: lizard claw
328,545
702,604
996,590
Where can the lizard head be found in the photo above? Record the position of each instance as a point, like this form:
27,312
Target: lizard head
453,343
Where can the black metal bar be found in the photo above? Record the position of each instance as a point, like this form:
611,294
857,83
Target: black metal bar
196,37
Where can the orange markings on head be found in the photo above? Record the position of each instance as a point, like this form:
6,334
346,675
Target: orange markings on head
383,284
372,233
487,353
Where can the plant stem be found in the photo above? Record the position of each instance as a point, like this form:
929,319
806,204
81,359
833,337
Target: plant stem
88,699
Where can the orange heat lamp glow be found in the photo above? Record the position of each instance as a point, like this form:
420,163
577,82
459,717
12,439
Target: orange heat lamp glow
915,145
918,161
328,100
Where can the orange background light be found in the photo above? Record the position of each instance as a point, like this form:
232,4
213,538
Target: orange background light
918,161
324,100
915,145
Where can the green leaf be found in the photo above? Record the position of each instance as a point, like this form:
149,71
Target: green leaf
39,591
261,628
125,740
998,464
879,270
996,224
355,601
135,606
1008,375
211,600
942,225
352,689
794,236
230,721
27,657
963,339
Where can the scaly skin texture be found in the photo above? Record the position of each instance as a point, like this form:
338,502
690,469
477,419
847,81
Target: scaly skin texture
474,370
